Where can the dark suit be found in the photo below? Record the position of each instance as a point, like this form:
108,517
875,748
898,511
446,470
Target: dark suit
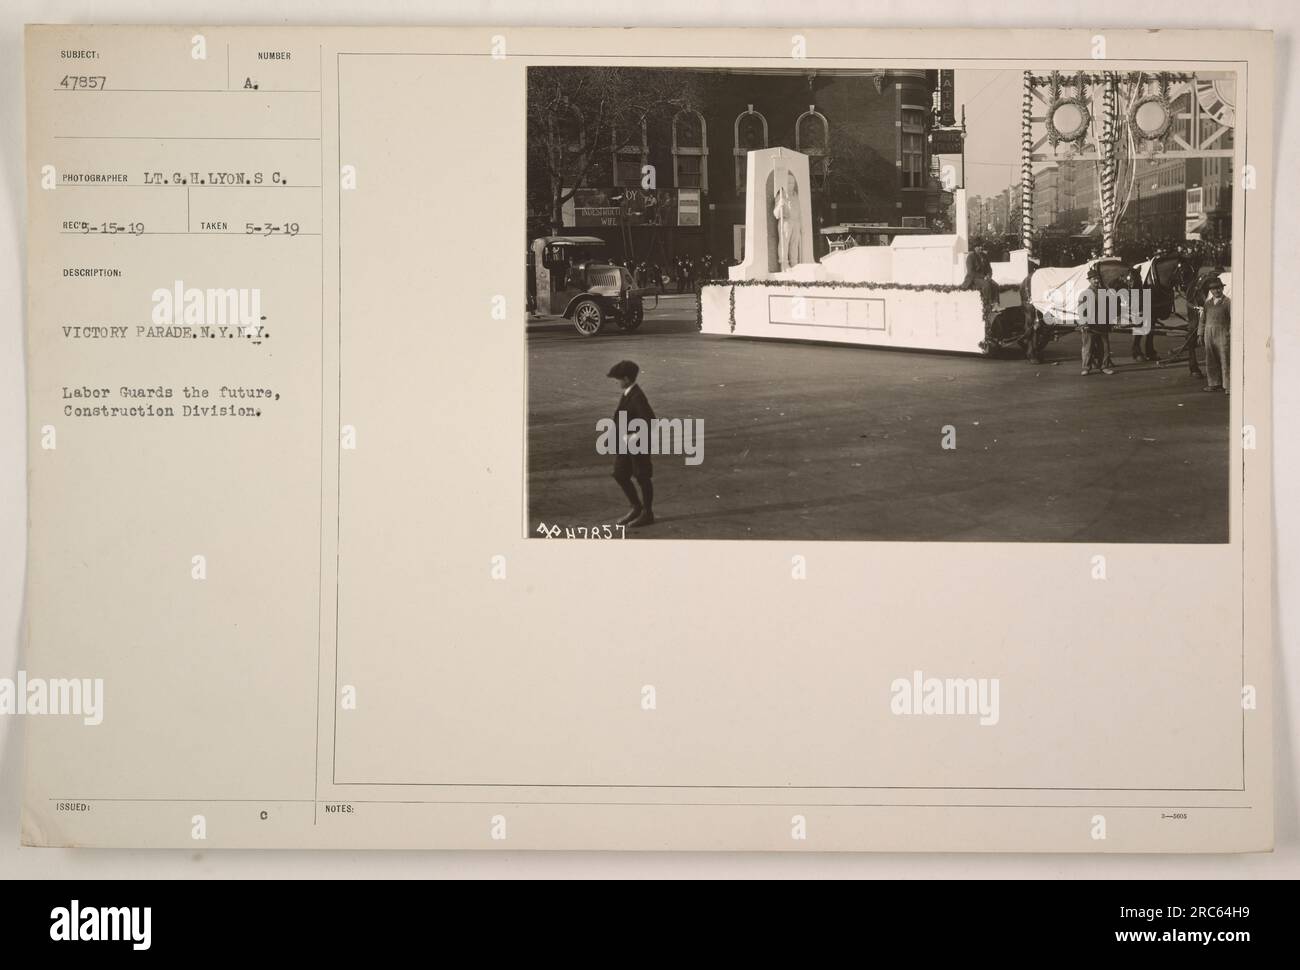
977,265
633,404
1031,334
979,276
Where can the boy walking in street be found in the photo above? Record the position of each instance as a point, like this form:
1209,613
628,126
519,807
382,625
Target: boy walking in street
633,404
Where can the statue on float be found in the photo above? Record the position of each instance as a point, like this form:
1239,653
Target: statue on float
789,224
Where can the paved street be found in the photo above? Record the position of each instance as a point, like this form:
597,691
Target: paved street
834,442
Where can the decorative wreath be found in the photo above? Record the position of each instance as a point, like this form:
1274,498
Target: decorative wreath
1165,106
1075,134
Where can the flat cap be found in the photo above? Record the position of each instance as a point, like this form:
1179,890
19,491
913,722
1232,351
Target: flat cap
624,368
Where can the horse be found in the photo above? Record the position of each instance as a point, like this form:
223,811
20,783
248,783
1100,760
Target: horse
1169,276
1043,313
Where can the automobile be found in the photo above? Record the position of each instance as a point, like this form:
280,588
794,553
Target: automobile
571,277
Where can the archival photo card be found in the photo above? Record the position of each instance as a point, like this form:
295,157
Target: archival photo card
362,361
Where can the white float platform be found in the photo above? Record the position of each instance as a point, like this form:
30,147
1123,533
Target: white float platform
868,315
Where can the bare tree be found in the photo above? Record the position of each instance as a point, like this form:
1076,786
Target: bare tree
580,116
858,170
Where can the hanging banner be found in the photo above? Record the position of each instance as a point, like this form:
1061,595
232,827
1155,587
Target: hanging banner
947,100
688,207
946,141
613,206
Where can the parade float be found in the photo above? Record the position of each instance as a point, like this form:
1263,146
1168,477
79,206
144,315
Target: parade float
909,292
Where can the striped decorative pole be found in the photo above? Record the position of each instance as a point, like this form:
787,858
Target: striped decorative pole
1108,167
1026,165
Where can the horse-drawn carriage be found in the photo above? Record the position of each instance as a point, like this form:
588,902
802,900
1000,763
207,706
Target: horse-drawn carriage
1045,306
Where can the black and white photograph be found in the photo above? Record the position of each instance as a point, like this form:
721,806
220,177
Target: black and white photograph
935,304
965,314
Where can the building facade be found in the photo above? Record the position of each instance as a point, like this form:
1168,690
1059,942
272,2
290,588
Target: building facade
1174,199
1047,197
1158,202
1209,198
865,132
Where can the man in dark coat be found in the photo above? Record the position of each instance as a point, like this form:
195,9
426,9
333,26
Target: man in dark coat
1095,321
1031,332
979,276
628,463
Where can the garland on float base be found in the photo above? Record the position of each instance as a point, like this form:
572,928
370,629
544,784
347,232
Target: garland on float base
846,284
835,284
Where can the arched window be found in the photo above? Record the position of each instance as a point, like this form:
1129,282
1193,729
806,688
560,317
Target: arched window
690,150
629,158
812,136
751,135
912,156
